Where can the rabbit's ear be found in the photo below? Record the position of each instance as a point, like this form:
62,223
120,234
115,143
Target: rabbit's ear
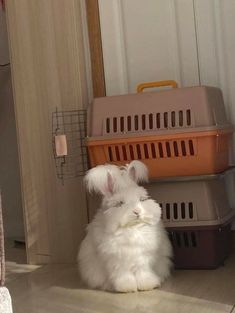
110,183
100,180
138,171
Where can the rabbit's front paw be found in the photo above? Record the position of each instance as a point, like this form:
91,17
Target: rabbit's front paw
147,281
125,283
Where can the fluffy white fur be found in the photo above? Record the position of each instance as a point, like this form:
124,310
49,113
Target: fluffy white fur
126,247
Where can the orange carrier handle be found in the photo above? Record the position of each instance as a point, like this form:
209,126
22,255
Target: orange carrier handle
162,83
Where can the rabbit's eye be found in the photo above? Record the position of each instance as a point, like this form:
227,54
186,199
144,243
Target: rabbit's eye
118,204
144,199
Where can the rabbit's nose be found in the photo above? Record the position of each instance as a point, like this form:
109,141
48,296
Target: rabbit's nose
136,212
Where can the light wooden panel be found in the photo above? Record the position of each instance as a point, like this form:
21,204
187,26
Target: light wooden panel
48,69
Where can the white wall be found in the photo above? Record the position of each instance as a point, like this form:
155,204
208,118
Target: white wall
147,41
190,41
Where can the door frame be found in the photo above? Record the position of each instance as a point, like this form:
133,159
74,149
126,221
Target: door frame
96,53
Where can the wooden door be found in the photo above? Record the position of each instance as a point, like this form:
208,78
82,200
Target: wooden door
48,70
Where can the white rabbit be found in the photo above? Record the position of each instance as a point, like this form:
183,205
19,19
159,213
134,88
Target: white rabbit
126,247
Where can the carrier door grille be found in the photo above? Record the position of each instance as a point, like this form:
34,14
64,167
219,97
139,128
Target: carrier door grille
151,150
179,211
147,122
183,239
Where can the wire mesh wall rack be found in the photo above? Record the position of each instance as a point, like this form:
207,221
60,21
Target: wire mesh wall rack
69,149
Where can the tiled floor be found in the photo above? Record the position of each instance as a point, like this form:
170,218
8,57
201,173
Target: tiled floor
56,288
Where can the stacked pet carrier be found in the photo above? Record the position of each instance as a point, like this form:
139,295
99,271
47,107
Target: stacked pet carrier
183,136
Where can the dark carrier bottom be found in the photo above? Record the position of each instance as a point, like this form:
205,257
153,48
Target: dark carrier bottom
200,248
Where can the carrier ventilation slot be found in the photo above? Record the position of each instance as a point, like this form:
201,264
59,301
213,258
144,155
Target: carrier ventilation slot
154,150
183,239
184,211
151,121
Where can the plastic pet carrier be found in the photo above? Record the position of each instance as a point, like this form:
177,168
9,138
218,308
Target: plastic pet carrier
197,214
198,201
172,131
